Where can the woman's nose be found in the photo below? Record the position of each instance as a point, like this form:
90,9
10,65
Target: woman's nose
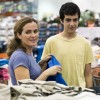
33,34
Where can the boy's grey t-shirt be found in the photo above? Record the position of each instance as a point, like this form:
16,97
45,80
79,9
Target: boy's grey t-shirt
20,58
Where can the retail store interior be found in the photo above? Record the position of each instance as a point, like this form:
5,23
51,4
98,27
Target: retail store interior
46,12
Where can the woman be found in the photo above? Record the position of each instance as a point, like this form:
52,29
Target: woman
22,64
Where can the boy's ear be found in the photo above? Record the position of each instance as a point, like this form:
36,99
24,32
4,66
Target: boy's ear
61,21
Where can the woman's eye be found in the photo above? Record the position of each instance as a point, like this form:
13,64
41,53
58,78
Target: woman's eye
35,31
32,31
28,32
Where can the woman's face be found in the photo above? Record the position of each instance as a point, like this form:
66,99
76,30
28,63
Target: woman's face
29,36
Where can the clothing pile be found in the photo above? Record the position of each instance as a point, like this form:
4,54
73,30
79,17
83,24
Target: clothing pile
45,90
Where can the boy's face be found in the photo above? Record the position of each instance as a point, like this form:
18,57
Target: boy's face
70,23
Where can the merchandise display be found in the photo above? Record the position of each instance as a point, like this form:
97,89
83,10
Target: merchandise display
47,30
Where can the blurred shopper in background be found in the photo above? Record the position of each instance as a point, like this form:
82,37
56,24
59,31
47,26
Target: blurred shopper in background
71,50
22,64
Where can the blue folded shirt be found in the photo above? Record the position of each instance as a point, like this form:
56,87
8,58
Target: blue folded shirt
3,62
58,77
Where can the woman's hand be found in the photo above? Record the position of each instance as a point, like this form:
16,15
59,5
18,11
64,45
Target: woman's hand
43,62
50,72
53,70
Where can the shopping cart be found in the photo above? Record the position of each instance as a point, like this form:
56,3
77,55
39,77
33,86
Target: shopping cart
96,75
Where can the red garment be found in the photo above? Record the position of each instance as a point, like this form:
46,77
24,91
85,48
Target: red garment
4,74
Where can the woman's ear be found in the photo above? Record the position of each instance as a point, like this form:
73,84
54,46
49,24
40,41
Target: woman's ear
18,35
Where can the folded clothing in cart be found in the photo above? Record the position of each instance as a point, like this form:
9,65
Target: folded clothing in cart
4,74
3,62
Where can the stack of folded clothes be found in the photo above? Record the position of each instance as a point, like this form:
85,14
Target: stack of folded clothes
4,73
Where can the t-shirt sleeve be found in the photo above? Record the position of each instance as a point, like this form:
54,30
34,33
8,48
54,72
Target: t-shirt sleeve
20,60
47,48
89,54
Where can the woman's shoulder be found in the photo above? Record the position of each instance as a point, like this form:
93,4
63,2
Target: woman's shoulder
18,53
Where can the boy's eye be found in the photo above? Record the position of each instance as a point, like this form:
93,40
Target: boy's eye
74,20
68,20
